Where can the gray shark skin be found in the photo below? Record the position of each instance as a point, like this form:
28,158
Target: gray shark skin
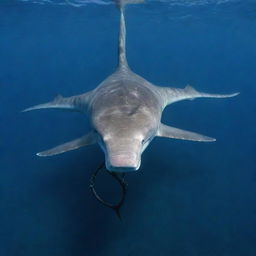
125,112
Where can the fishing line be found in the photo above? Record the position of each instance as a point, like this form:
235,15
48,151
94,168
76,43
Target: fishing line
120,179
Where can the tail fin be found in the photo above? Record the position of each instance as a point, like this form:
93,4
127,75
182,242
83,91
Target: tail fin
122,33
122,3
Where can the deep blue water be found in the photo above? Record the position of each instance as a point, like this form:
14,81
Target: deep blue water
188,199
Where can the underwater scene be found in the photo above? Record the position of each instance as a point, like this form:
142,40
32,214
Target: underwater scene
187,195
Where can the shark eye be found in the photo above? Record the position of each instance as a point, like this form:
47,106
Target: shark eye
143,141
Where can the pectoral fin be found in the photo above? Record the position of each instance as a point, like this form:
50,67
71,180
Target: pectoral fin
175,133
171,95
74,103
88,139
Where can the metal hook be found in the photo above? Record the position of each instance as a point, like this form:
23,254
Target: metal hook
120,179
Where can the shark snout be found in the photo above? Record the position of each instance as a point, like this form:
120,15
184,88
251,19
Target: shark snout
124,162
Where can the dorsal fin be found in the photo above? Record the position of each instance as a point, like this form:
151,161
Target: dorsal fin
122,32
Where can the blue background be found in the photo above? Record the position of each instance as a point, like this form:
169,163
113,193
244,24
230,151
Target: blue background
188,199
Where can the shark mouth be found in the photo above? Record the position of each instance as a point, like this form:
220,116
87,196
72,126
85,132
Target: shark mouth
123,162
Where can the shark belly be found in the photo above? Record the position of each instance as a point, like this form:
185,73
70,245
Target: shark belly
125,114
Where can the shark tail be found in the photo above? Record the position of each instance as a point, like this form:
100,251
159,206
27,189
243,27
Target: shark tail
123,65
122,3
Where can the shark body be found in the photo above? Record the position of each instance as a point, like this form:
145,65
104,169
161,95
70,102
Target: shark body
125,112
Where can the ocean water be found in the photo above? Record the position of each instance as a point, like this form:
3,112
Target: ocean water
188,199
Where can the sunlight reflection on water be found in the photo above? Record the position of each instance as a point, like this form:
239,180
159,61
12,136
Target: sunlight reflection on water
80,3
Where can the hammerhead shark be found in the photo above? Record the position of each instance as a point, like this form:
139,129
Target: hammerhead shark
125,112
